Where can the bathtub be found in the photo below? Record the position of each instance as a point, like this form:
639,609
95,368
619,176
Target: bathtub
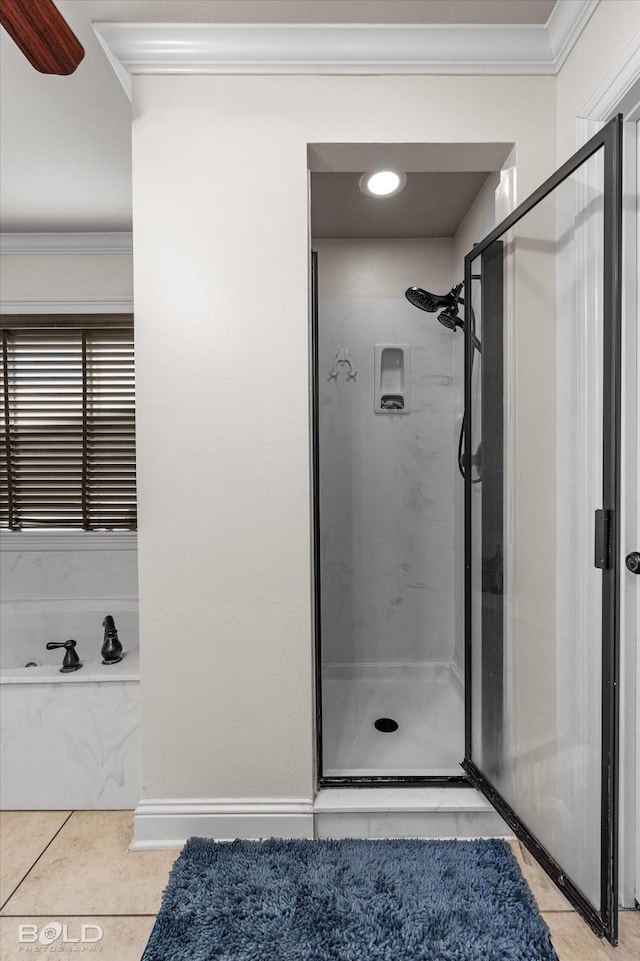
68,741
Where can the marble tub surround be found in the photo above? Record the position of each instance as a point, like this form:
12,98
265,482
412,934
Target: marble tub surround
69,741
427,701
87,874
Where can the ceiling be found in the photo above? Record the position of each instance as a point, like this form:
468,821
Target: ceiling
65,142
430,205
443,180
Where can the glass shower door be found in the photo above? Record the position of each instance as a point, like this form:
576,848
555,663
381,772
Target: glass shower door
542,491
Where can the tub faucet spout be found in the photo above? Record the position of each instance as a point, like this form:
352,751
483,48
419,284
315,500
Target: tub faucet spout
111,647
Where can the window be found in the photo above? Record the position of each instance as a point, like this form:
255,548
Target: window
67,422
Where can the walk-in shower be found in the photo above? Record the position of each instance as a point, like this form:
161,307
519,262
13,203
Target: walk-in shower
389,408
531,630
389,469
388,458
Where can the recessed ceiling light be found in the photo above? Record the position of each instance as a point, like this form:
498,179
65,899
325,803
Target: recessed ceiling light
383,183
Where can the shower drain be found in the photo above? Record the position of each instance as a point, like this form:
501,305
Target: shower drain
386,724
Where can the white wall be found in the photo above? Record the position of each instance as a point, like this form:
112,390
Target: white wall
386,480
65,278
221,248
595,53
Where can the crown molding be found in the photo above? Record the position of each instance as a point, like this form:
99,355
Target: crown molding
138,49
66,243
565,24
66,307
620,82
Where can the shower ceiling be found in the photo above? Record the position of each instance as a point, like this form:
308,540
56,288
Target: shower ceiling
443,180
432,204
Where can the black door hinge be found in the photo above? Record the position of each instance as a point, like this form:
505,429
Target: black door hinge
603,555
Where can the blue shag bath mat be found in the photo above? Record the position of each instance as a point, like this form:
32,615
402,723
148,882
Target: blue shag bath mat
348,901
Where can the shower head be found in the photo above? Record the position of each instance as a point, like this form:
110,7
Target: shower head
450,304
449,318
425,300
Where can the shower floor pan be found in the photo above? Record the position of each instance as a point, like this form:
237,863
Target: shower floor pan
426,701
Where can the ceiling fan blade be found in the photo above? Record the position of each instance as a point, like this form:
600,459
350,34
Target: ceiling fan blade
43,35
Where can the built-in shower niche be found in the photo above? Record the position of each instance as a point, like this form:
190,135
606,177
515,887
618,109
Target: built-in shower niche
392,381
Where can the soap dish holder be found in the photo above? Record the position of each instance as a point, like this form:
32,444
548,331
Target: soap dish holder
392,379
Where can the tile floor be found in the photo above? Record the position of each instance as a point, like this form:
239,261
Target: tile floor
426,701
74,868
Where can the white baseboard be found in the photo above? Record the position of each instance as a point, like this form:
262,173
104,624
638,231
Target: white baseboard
166,823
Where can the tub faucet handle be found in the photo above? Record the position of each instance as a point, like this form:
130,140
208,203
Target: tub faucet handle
71,661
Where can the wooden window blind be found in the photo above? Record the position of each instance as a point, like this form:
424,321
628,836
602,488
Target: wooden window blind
67,422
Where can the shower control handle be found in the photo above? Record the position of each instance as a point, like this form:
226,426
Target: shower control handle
632,561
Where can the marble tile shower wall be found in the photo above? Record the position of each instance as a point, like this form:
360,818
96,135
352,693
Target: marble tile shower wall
46,593
386,489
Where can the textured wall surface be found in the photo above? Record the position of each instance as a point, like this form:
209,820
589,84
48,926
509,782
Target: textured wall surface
221,240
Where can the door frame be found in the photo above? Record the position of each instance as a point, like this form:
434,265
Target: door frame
605,921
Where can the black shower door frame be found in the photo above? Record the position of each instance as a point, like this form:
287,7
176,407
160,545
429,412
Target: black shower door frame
603,922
